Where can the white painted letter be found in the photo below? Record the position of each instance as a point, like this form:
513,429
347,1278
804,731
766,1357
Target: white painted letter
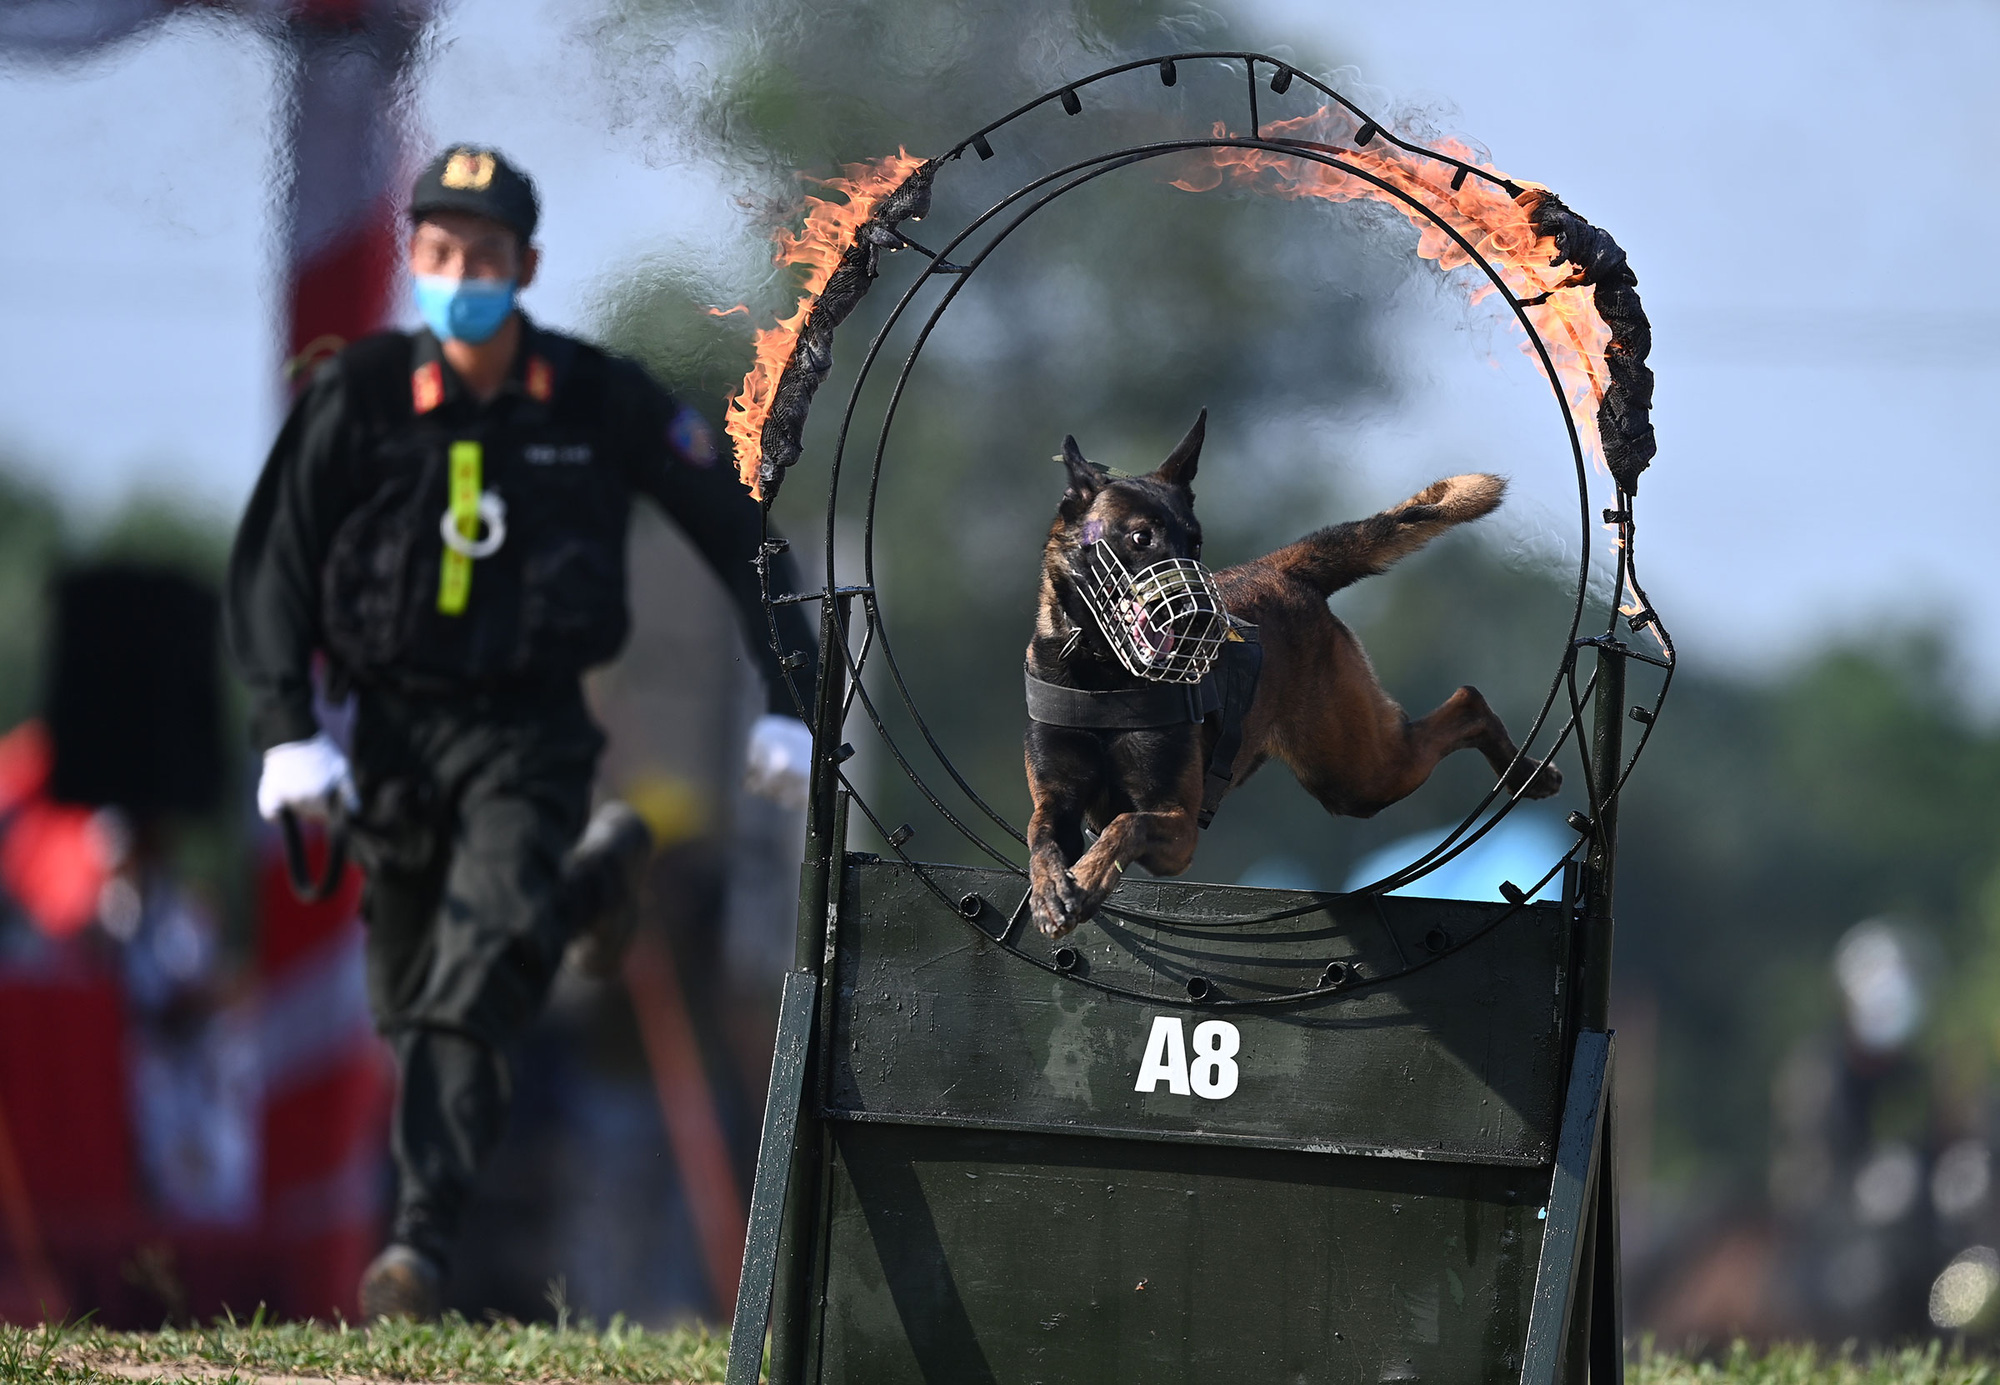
1215,1045
1166,1056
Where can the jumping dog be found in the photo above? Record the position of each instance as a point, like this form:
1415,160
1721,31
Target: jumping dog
1317,706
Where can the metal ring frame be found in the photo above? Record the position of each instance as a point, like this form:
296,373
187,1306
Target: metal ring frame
1031,198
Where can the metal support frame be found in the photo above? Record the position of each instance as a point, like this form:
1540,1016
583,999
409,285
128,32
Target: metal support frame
1574,1330
1575,1326
1566,1261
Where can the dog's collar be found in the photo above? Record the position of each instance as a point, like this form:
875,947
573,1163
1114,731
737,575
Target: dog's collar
1125,709
1229,688
1149,704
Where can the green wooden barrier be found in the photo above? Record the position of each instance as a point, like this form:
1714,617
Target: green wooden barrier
981,1167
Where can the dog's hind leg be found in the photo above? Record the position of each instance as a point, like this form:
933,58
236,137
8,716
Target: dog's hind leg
1402,759
1485,732
1465,721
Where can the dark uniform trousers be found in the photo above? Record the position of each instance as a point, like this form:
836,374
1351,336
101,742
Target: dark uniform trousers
471,805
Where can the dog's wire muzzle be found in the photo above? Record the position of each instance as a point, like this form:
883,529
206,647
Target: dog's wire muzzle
1165,622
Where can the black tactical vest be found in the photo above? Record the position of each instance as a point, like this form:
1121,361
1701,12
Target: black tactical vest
550,601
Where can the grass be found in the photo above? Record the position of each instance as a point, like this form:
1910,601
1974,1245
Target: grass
455,1350
1933,1364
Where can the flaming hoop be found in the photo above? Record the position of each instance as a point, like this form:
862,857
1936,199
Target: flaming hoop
1571,278
1566,284
840,248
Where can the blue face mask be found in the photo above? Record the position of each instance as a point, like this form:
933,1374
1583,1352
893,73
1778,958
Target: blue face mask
469,309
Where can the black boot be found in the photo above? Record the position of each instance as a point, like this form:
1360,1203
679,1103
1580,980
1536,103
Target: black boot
604,877
402,1282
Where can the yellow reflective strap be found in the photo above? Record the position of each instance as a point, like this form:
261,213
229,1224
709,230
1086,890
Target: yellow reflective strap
455,572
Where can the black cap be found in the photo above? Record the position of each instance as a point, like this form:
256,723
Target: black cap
480,182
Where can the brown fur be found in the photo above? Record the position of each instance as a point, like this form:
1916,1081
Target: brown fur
1319,707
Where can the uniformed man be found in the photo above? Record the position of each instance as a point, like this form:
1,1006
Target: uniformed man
443,519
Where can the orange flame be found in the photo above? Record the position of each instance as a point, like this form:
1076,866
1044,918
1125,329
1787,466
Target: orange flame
1498,226
828,231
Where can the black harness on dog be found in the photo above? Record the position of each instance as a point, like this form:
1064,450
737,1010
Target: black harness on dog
1227,690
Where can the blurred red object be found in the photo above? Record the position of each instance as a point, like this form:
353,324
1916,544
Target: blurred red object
66,1109
71,1188
328,1080
74,1217
53,859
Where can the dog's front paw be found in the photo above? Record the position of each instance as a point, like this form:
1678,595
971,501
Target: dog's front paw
1055,902
1543,780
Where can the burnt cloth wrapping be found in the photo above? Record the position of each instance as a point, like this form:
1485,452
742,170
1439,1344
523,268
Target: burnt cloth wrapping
1625,418
812,354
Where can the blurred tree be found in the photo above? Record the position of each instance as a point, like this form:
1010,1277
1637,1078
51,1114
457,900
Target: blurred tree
157,528
1771,819
31,537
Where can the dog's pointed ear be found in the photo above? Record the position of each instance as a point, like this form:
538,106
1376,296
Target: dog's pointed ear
1178,468
1086,478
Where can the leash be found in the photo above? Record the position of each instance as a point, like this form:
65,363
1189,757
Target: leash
309,890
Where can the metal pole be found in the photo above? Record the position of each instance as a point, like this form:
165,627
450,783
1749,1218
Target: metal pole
1596,1346
790,1309
810,938
1607,1333
1607,756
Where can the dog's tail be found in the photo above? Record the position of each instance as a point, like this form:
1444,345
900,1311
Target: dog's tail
1342,554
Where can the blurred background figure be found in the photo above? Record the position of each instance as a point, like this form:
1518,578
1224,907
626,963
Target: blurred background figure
131,1141
1881,1219
1854,1141
1830,753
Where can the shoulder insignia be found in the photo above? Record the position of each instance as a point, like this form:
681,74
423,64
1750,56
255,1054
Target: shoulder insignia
691,439
541,380
468,168
427,387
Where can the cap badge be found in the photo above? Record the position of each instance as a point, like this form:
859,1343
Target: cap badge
468,168
426,387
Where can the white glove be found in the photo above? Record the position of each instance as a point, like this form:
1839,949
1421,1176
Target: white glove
780,760
303,776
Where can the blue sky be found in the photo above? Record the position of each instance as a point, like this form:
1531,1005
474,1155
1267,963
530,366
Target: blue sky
1805,190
